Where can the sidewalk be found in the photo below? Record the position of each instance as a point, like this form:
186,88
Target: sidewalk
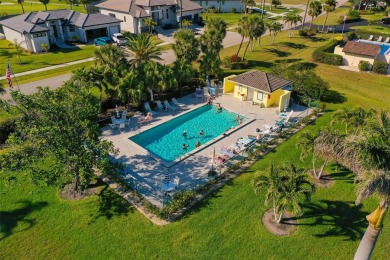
50,67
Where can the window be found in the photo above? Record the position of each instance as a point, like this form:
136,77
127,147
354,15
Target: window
240,88
112,15
124,18
259,96
167,14
71,28
37,35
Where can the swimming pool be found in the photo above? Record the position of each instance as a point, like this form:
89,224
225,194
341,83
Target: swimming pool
166,140
385,48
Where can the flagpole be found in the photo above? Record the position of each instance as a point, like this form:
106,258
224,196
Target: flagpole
345,18
14,76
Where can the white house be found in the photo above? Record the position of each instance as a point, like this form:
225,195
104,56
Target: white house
225,6
163,12
36,28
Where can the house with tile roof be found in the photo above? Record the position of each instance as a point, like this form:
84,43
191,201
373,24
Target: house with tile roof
355,51
224,6
260,88
163,12
57,26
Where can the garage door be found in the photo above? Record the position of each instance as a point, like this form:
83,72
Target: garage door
94,33
114,29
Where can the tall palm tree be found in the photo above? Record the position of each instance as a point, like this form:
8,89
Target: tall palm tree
342,115
291,19
21,4
217,24
328,7
356,117
18,47
143,49
304,17
315,10
285,186
256,29
274,28
186,46
44,2
243,29
130,88
306,144
375,149
111,62
246,4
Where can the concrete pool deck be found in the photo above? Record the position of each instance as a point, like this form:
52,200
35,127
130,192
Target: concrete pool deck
147,174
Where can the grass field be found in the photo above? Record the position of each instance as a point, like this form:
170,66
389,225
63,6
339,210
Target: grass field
333,17
36,223
375,30
36,6
41,60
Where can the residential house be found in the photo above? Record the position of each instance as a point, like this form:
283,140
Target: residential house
56,27
224,6
163,12
259,88
355,51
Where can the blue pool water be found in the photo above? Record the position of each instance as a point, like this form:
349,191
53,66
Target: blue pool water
384,47
166,140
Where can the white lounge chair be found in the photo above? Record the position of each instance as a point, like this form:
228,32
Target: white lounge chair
379,39
148,109
387,40
177,103
160,106
370,38
168,106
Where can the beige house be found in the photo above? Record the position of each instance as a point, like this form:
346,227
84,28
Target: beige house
260,88
354,52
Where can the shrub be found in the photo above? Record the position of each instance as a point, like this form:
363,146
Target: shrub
7,127
323,55
380,67
307,32
364,65
235,62
233,10
351,36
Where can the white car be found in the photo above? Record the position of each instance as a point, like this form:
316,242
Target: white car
119,39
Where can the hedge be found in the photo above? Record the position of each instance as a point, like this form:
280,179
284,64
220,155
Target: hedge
364,65
323,54
380,67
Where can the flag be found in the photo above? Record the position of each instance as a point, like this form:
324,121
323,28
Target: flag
345,17
8,74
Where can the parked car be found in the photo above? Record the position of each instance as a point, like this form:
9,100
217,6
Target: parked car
102,41
119,39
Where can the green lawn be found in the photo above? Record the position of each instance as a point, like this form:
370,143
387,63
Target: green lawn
333,17
230,18
36,223
375,30
36,6
41,60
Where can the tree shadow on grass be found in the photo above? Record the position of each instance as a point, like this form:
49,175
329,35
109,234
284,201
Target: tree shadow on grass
317,39
343,219
18,218
293,45
257,63
111,204
278,53
334,97
287,61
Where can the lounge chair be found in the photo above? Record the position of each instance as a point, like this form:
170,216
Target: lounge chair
199,93
148,109
168,106
177,103
160,106
387,40
379,39
246,142
284,115
370,38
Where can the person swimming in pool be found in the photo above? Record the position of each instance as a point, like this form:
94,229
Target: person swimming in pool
201,132
197,144
184,146
219,108
184,134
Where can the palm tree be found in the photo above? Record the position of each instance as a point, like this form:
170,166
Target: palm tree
274,28
217,24
210,64
186,46
18,47
184,72
21,4
187,23
291,19
375,149
143,49
44,2
342,115
328,7
304,17
256,29
243,29
356,117
151,23
246,4
315,10
306,144
130,88
210,41
285,186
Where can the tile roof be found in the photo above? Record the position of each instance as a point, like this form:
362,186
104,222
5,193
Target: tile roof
362,48
35,21
136,7
260,80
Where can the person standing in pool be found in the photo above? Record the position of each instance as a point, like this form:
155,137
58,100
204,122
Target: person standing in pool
184,134
184,146
219,108
197,144
201,133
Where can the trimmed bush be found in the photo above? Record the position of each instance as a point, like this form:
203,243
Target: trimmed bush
235,62
380,67
324,54
307,32
364,65
351,36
